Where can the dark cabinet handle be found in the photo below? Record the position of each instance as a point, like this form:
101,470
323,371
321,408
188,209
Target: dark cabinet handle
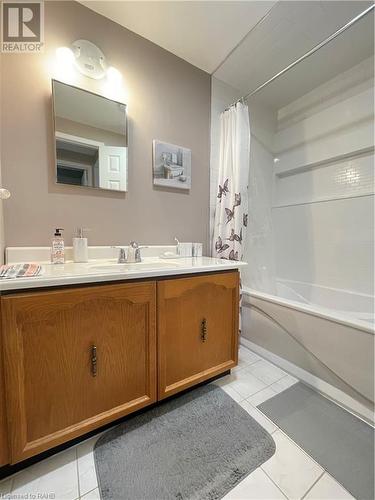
94,361
204,330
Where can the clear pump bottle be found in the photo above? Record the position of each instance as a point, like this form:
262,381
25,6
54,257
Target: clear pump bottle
58,247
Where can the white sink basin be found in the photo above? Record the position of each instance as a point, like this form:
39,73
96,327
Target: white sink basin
138,266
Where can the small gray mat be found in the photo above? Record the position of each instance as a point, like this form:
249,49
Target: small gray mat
196,446
336,439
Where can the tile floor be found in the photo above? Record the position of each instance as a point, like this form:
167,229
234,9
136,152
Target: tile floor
289,474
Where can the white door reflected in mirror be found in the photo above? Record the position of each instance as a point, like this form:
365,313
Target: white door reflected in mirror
112,168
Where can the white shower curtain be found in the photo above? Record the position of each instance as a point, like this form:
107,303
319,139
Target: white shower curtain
231,212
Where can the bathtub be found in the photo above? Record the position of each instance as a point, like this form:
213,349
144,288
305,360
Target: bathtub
324,336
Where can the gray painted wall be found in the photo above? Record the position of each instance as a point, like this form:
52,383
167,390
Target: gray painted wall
2,243
169,100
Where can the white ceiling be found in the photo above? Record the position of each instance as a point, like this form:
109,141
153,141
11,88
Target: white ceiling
201,32
291,29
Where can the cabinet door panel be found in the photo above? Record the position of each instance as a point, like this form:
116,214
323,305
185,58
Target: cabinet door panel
4,452
50,339
198,329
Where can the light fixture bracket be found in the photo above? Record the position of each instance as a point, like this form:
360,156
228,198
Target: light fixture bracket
89,59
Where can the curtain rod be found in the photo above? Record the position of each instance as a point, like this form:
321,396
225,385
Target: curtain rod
306,55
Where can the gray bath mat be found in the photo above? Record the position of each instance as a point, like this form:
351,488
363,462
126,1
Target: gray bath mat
337,440
196,446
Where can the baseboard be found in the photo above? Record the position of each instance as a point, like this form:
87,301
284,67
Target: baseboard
329,391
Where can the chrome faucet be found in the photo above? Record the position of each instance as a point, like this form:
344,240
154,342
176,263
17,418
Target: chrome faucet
133,255
134,252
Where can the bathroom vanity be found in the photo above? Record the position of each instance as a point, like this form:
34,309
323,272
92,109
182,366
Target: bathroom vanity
82,347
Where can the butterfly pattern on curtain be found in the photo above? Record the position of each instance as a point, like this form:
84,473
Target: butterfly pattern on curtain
231,248
231,211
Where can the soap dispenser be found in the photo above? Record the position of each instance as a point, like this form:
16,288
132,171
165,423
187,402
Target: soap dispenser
58,247
80,246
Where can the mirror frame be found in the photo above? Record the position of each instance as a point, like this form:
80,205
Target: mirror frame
53,81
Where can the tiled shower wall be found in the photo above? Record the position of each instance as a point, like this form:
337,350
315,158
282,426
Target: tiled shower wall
323,213
260,243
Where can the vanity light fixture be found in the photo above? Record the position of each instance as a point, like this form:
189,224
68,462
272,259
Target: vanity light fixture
88,59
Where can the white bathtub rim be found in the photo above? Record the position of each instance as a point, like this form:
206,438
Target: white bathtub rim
324,388
324,287
319,312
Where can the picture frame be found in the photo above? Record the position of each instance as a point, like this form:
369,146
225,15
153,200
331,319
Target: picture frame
171,165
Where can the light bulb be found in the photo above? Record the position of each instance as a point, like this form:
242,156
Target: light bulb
114,75
64,66
65,55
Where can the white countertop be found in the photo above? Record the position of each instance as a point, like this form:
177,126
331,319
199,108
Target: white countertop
100,270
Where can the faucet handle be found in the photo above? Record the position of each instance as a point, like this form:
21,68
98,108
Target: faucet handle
135,245
122,254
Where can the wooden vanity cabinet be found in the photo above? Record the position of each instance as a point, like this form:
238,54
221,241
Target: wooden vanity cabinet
197,329
74,360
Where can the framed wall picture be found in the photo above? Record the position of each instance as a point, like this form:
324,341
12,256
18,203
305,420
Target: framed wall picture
171,165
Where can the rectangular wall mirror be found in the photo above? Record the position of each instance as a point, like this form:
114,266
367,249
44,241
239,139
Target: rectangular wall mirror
90,139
